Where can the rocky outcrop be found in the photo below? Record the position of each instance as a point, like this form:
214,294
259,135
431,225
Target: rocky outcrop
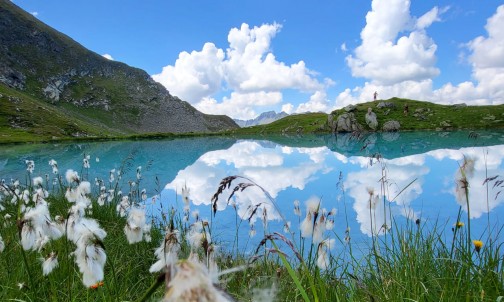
385,105
371,119
346,122
391,126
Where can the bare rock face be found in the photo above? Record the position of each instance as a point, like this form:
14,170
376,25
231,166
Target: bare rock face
391,126
347,123
371,119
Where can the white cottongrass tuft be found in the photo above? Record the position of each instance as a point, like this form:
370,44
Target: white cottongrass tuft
71,176
307,225
30,166
136,229
49,263
193,281
297,209
38,181
185,195
2,244
462,176
322,253
123,206
318,230
313,204
90,254
167,253
198,234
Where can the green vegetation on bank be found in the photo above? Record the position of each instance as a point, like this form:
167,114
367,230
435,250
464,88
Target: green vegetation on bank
24,118
421,116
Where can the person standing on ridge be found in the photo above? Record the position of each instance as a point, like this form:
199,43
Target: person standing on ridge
375,95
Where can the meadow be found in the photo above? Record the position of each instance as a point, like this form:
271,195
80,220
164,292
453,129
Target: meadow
68,236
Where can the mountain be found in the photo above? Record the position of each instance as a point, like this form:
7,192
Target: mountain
42,67
263,119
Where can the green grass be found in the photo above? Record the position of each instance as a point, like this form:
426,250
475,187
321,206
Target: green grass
430,116
422,116
25,119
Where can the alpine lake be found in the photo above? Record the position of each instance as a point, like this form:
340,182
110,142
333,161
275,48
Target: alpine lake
412,173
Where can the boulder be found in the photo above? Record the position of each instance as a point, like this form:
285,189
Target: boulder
385,105
391,126
347,122
350,108
371,119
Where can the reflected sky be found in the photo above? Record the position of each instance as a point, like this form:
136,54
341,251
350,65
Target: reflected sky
412,174
412,187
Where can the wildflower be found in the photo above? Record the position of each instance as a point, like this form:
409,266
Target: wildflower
198,235
287,227
195,215
167,253
139,172
21,285
37,181
313,205
49,263
90,254
144,194
185,195
318,230
323,248
297,210
28,236
465,171
85,162
54,166
111,175
71,176
135,225
329,224
123,206
459,224
193,281
30,165
96,285
478,244
306,225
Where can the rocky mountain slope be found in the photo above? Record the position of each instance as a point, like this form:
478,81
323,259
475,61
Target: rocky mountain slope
41,64
263,119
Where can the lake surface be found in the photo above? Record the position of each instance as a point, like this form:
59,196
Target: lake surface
414,171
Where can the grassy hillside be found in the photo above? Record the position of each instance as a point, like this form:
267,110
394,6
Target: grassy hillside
300,123
26,119
48,66
430,116
421,116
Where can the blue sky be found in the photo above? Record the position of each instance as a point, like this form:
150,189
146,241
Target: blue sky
242,58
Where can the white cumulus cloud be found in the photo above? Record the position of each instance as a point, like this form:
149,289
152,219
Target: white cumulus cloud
398,59
387,57
108,57
248,69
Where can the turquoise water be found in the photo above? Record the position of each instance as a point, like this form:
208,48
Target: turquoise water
417,170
